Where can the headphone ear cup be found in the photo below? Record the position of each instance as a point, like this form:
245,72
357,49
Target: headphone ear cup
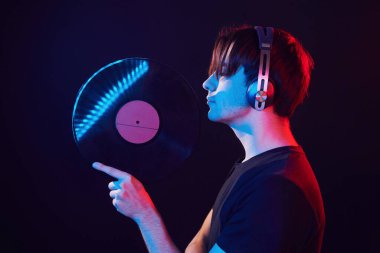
253,95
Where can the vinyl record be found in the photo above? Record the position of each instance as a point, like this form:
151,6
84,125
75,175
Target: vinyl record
137,115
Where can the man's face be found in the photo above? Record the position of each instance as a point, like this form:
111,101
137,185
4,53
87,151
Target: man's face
227,97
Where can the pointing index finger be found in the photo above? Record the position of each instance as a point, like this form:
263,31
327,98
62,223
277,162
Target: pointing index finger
118,174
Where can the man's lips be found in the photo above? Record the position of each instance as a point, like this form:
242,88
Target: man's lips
210,100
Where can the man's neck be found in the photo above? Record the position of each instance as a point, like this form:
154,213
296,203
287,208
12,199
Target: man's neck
263,132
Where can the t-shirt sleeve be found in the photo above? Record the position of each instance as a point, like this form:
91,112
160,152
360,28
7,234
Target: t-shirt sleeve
273,216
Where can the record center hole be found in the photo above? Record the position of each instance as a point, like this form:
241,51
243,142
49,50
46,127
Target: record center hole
137,122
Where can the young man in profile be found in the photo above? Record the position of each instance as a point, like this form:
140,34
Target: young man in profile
271,200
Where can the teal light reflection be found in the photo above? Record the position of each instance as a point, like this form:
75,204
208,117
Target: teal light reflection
109,98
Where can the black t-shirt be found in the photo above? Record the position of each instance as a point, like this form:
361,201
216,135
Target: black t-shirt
269,203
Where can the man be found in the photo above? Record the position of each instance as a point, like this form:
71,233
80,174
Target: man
271,201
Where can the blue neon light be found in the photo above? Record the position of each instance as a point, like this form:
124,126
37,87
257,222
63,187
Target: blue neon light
109,97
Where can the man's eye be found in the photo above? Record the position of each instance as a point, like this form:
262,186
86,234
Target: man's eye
223,74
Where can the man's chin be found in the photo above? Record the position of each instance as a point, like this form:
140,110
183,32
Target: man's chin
213,118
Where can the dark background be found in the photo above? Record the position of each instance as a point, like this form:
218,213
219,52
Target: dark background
52,201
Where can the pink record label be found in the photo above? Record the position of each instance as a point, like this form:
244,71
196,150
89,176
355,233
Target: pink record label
137,122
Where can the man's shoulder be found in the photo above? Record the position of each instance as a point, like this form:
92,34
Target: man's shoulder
290,169
291,175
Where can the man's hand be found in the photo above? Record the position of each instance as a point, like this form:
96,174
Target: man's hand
130,198
128,194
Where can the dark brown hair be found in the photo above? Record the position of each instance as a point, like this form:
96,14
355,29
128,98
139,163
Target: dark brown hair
290,63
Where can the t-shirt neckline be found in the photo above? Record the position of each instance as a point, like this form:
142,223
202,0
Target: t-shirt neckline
263,155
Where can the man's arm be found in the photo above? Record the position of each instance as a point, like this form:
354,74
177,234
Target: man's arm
131,199
199,242
274,216
155,234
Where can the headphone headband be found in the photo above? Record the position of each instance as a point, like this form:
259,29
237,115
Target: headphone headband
265,36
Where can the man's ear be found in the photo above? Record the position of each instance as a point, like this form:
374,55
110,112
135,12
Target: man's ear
254,95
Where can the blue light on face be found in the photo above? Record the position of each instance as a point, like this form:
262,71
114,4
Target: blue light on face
109,98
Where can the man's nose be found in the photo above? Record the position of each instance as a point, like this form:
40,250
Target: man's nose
209,84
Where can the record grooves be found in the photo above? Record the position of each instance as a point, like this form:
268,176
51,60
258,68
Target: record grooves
137,115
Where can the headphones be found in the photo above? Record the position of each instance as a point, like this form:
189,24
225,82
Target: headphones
260,94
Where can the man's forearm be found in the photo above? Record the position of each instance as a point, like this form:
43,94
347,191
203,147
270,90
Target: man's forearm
155,234
196,246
